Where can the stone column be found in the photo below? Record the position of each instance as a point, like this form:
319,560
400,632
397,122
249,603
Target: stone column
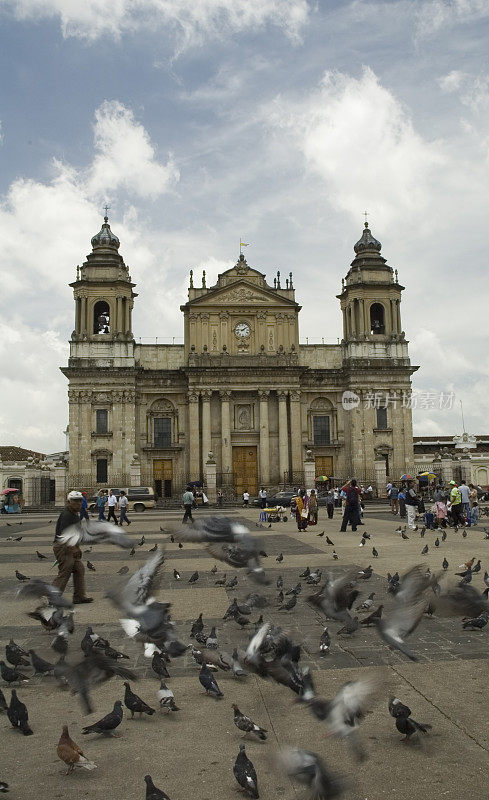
466,464
226,452
206,395
30,485
309,470
446,468
210,468
193,436
60,484
135,471
380,476
264,439
296,431
283,435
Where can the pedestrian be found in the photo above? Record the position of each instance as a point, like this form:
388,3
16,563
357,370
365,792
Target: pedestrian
330,504
69,558
123,508
351,513
440,506
402,503
456,501
219,498
369,492
101,501
301,512
474,513
246,498
394,499
336,497
188,501
473,495
312,507
465,495
263,497
112,504
411,501
84,507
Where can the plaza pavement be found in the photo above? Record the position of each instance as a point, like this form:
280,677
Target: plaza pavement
191,753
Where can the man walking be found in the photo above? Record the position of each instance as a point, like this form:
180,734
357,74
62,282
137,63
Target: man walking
456,502
352,506
246,498
84,507
411,501
123,508
188,500
465,495
112,504
69,558
394,498
101,501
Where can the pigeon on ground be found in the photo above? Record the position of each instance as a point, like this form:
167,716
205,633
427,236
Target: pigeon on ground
134,703
221,581
404,723
306,573
152,792
232,583
69,752
153,549
4,786
41,667
424,550
133,551
320,534
20,577
194,577
349,627
107,724
158,665
335,555
328,541
40,555
297,589
375,552
478,623
209,683
197,626
211,641
214,569
445,564
367,604
366,574
92,670
477,567
444,536
324,642
280,557
405,536
10,675
142,540
15,655
309,769
123,570
90,566
177,575
290,604
245,773
247,725
18,716
166,698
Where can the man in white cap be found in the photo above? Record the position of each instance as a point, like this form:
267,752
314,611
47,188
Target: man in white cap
69,558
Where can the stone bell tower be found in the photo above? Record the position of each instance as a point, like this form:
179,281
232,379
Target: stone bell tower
101,368
376,366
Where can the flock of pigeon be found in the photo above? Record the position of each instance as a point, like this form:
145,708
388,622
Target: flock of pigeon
269,653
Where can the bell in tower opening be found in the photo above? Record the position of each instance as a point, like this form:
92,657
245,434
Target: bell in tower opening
101,317
377,324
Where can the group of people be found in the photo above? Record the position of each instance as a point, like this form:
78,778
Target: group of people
455,505
107,499
304,506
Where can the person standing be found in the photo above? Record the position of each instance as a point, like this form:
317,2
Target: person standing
473,495
84,507
336,497
440,507
219,498
394,498
263,497
123,508
402,503
301,512
188,501
312,506
351,513
330,504
69,558
246,498
465,495
112,504
456,501
411,501
101,501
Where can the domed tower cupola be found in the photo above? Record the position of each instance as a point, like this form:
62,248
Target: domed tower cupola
103,291
371,295
105,238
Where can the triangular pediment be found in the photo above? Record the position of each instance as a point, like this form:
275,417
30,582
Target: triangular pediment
241,292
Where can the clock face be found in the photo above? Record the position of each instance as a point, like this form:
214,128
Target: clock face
242,330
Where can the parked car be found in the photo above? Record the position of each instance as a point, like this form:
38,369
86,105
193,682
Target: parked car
139,498
281,499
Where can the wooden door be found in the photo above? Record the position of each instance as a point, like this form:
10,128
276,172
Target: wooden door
245,469
324,465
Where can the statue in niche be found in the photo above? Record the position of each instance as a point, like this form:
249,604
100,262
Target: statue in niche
243,418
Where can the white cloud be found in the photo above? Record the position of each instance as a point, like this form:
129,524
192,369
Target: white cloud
433,15
126,157
191,20
360,139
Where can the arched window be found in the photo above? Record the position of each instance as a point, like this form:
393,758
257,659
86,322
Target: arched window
101,317
377,318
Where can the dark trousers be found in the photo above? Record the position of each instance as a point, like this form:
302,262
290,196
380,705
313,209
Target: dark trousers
112,514
101,514
70,563
84,513
330,510
123,516
263,502
457,514
351,515
188,513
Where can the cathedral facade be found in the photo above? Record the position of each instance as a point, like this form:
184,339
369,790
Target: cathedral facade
241,395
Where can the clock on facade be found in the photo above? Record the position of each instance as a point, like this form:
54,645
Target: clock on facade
242,330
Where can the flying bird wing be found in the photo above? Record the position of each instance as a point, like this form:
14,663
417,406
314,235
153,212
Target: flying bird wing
94,532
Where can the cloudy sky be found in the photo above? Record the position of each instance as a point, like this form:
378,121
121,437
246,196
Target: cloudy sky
281,121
